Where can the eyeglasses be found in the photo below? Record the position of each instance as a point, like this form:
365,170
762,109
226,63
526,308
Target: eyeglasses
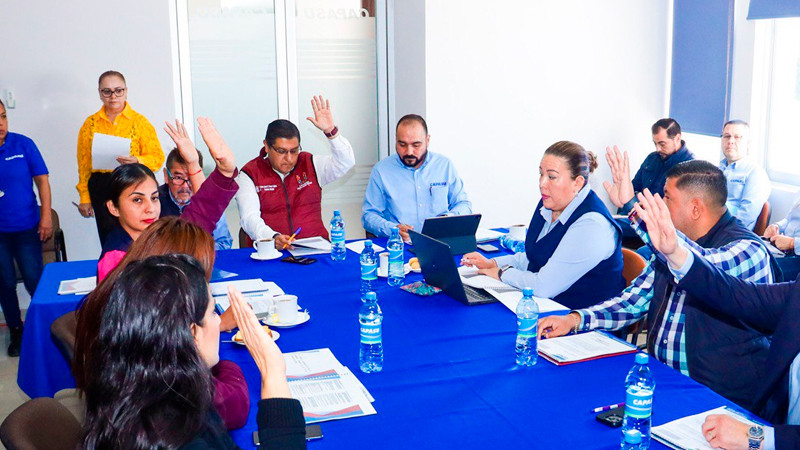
735,137
177,181
117,92
283,151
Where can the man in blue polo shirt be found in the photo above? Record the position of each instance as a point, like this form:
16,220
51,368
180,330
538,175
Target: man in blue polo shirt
412,185
24,225
748,184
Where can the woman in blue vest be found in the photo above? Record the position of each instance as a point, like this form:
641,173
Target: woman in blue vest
572,250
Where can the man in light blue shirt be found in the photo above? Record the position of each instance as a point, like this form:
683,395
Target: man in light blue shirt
748,184
412,185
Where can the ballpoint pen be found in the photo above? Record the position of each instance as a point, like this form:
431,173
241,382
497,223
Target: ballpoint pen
607,408
291,238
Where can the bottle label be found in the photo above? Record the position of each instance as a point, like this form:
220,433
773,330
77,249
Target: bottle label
369,271
639,403
337,235
527,328
396,254
370,334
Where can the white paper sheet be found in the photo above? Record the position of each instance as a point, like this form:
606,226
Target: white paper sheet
511,297
77,286
310,246
106,149
486,235
220,288
687,432
579,347
358,247
470,277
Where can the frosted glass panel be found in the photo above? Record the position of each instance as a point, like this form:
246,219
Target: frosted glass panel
233,70
336,56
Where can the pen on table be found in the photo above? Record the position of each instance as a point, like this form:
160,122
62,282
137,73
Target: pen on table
291,238
607,408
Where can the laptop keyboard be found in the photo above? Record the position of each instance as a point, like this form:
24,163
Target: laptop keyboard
476,295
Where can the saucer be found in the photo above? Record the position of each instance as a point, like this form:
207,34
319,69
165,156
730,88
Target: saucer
275,337
302,317
255,256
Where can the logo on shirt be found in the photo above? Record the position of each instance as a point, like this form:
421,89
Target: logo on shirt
441,183
302,181
266,188
15,157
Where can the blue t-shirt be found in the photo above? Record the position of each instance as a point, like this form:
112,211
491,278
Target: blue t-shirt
20,161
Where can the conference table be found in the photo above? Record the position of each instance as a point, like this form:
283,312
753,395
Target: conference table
449,377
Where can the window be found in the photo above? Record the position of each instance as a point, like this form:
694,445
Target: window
782,102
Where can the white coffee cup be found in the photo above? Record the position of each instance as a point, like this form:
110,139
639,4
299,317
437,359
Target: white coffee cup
286,308
383,266
266,248
517,232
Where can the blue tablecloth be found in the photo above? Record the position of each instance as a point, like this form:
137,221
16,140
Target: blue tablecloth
449,378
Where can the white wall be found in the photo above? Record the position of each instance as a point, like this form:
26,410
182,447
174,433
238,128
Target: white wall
504,83
53,53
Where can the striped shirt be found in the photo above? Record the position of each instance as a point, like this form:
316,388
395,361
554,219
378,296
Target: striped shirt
745,259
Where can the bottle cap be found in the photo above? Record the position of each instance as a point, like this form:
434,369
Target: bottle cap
371,296
633,437
642,358
368,243
336,212
527,292
395,232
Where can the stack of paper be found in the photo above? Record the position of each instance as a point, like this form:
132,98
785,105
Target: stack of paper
257,292
358,247
486,235
77,286
583,347
687,432
507,295
326,389
310,246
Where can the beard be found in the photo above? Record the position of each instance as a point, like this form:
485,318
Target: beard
413,161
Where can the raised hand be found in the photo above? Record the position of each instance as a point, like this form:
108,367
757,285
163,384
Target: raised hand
621,191
323,117
654,212
180,136
222,154
262,348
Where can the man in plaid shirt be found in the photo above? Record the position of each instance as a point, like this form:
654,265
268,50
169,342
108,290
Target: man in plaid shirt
715,349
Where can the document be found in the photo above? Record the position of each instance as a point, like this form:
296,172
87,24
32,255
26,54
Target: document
471,277
687,432
358,247
257,292
326,389
106,149
77,286
583,347
486,235
511,297
310,246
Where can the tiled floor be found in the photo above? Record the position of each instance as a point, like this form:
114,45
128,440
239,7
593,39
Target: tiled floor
10,394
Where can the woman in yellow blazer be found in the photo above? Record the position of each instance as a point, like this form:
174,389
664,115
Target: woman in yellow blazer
115,118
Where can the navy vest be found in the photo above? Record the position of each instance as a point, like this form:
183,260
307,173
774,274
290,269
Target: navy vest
603,281
722,352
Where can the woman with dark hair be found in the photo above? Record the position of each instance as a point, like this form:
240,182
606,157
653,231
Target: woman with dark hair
133,193
115,118
158,338
573,247
167,235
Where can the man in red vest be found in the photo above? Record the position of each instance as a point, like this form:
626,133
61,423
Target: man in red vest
281,189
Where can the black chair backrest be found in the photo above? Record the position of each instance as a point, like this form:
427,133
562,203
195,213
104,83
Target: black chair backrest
41,423
62,331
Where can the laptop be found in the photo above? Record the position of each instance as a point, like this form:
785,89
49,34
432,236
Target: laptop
439,269
456,231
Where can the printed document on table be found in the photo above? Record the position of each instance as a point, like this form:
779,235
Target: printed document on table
510,298
326,389
687,432
583,347
220,288
471,277
358,247
77,286
106,149
310,246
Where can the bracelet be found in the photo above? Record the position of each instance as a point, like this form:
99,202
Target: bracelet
332,133
193,174
577,324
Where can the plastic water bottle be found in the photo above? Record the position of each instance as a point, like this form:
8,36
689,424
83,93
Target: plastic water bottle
338,250
396,272
369,269
527,329
514,245
639,387
370,318
631,440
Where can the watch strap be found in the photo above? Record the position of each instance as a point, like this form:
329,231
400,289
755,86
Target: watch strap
333,132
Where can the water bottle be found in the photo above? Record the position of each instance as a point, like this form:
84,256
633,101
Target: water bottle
338,250
369,269
631,440
370,318
514,245
527,329
639,387
396,272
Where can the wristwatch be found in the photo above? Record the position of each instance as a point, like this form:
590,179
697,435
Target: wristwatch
755,436
332,133
502,271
